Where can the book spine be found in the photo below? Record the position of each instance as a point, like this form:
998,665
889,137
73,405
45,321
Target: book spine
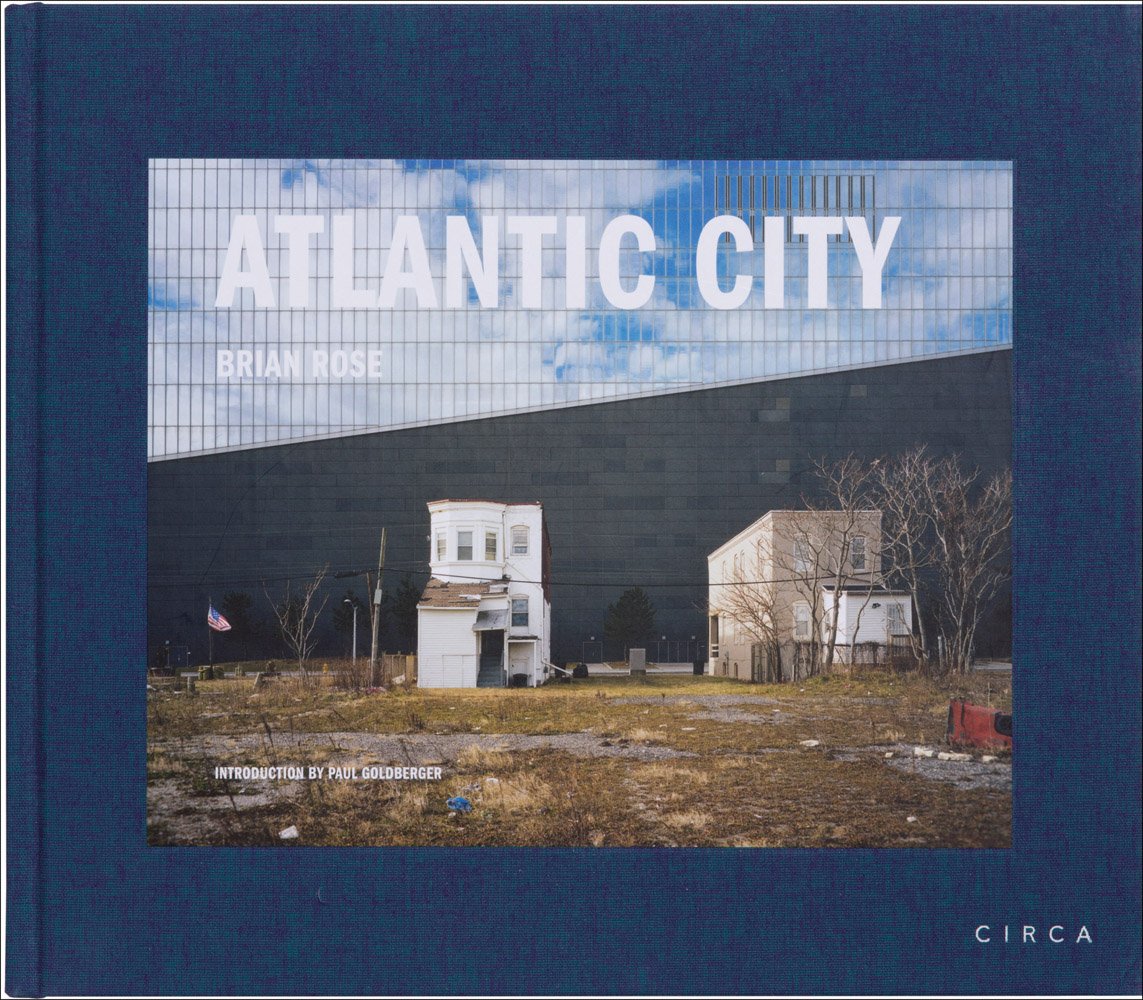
24,304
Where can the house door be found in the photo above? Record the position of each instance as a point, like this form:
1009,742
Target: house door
520,656
492,645
491,670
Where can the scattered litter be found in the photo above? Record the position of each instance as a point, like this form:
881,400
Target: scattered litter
663,725
399,680
910,819
492,781
811,743
688,729
988,759
290,833
945,755
596,838
889,754
459,804
923,752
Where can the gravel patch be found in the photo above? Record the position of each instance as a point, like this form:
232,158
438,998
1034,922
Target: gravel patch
703,700
420,748
968,774
738,715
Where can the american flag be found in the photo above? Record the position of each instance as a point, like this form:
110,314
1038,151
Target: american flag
216,621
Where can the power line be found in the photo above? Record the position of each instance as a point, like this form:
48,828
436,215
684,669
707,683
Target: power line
423,570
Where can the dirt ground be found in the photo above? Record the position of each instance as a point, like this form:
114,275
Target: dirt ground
603,762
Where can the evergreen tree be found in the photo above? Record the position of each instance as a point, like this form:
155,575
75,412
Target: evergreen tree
630,621
404,608
237,608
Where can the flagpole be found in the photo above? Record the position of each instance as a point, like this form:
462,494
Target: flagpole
210,631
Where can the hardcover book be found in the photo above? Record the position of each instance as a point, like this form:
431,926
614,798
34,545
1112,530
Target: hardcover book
563,500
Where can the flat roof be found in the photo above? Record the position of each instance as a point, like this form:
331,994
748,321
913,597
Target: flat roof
498,503
864,588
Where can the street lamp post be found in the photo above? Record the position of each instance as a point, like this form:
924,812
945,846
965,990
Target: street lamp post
353,604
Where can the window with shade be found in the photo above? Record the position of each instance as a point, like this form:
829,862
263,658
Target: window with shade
802,622
896,619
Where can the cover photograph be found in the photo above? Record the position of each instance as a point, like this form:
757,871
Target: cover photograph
636,434
564,500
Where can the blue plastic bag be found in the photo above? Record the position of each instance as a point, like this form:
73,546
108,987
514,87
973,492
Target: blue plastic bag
459,804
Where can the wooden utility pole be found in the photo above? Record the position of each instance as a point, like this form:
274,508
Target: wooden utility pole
374,680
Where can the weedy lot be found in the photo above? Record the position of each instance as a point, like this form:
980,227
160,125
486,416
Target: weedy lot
608,762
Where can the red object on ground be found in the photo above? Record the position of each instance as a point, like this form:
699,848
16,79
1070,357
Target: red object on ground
972,725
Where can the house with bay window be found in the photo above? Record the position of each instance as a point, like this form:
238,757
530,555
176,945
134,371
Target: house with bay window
484,619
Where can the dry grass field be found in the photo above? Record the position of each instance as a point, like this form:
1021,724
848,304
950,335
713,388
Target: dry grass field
672,761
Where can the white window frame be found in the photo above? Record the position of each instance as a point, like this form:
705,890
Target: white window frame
471,533
853,552
895,616
442,546
802,609
517,550
512,612
495,538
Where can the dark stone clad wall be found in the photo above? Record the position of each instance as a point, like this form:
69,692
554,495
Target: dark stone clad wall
634,492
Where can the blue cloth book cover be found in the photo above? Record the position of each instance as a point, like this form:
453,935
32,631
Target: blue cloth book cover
572,500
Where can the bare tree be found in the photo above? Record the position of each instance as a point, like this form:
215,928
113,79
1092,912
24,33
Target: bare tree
900,491
848,485
752,605
971,551
297,618
816,548
944,535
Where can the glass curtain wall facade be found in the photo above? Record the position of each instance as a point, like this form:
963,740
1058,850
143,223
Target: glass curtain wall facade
513,308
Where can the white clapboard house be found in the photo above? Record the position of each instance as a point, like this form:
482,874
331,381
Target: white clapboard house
484,619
